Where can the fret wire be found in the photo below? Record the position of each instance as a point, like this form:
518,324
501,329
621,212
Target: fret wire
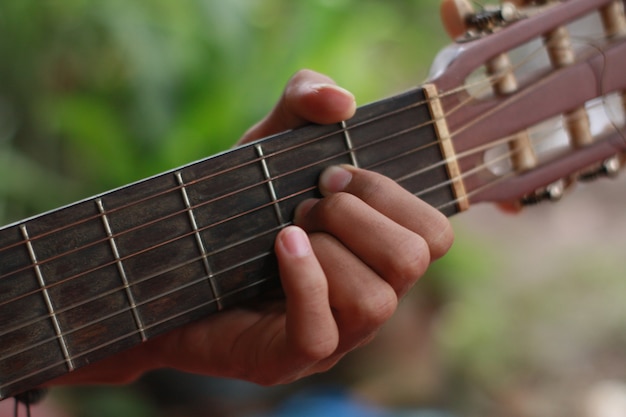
100,319
467,153
348,140
46,295
488,81
148,277
496,180
196,232
486,186
158,323
232,168
270,183
380,140
234,292
355,125
121,270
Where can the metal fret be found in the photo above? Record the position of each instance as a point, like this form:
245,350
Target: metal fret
348,140
196,231
46,295
121,270
270,184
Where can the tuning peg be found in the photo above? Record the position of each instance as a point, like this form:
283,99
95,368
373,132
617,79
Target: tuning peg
461,20
608,169
454,14
553,193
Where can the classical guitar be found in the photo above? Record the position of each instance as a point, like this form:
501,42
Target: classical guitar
509,114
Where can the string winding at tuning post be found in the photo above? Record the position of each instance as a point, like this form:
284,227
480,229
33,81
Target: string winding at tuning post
523,156
561,52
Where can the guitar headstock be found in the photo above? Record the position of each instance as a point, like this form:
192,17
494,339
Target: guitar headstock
535,97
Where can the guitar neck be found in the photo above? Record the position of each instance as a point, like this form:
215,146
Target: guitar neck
100,276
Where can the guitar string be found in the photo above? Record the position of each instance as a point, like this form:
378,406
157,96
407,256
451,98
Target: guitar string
250,238
464,87
269,204
487,184
128,230
487,82
135,332
58,283
202,279
213,200
443,162
176,188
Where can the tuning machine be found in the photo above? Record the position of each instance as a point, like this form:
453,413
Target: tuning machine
552,193
486,20
610,168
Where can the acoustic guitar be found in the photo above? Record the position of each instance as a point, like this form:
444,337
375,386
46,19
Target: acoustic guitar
510,114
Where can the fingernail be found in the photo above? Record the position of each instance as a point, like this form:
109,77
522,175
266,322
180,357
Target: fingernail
295,241
327,86
335,179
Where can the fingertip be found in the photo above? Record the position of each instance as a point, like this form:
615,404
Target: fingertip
335,179
326,103
294,242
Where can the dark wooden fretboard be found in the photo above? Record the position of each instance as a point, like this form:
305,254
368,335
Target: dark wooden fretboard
100,276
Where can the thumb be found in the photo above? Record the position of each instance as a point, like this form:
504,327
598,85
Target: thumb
309,97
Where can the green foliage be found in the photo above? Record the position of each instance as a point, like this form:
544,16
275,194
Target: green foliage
99,94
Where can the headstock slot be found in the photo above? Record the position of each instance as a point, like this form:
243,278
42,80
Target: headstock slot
539,74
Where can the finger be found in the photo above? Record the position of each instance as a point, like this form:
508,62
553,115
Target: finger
309,97
311,328
389,198
392,251
361,301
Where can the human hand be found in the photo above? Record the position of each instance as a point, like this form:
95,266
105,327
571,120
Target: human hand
368,242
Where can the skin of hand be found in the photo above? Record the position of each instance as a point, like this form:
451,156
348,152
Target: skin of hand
344,266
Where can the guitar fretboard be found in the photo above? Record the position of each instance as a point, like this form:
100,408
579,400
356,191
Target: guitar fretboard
100,276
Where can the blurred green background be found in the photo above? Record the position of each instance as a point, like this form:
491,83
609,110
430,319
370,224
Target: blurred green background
97,94
524,317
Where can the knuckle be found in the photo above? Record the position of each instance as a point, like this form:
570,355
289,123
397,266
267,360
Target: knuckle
376,308
443,237
410,263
